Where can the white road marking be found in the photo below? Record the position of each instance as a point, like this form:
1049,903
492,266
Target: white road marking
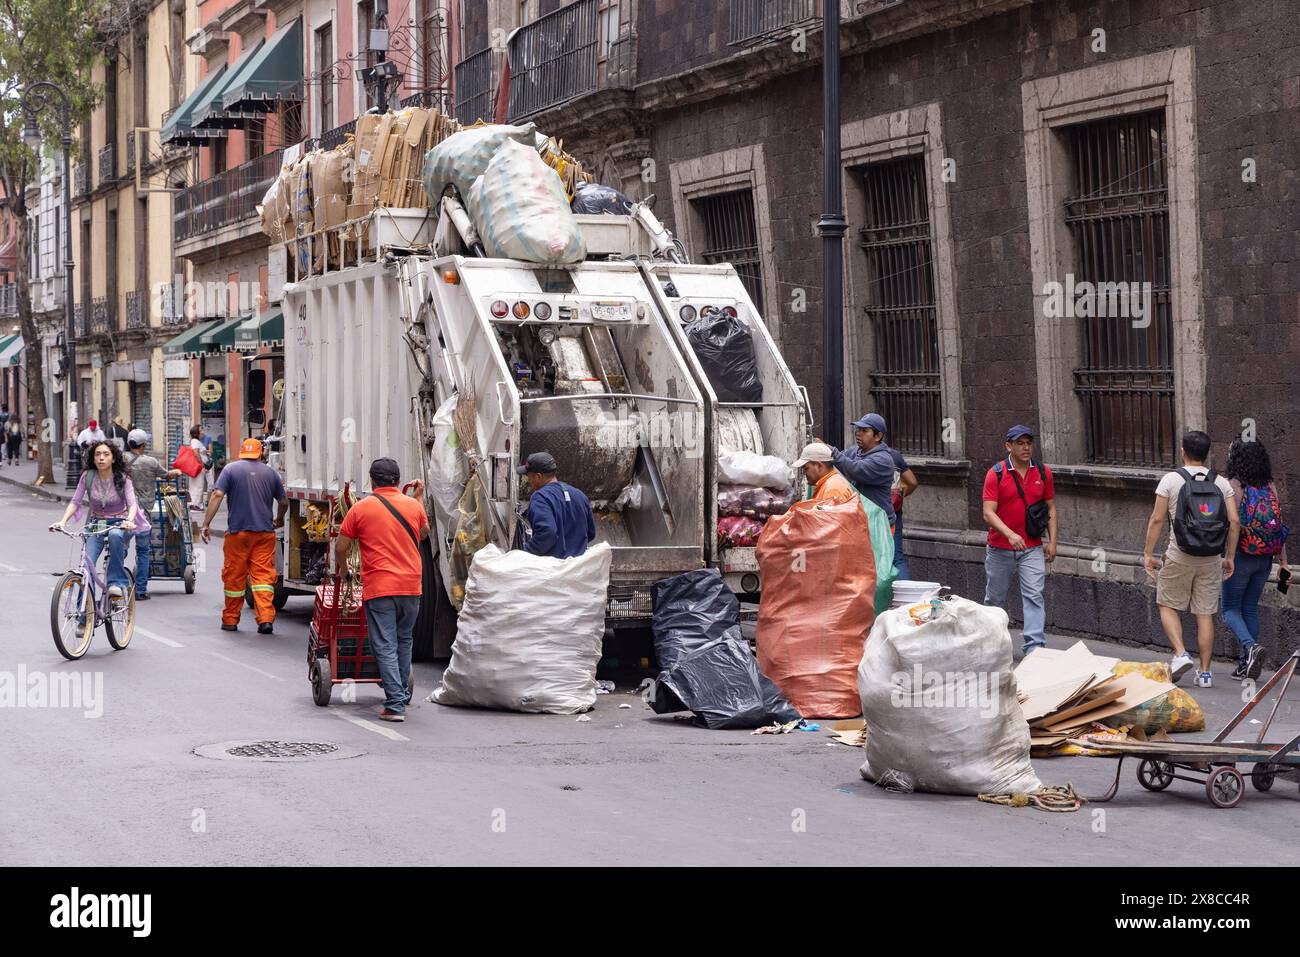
243,664
9,568
158,638
371,726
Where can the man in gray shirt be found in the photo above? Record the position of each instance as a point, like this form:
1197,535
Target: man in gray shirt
870,467
145,470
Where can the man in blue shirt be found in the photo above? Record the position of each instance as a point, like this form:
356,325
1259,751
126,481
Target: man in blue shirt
559,515
871,467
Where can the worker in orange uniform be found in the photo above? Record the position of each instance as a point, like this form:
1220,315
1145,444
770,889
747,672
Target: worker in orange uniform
828,485
249,549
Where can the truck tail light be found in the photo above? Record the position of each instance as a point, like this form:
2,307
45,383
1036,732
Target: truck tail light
730,310
542,310
521,310
687,313
451,277
500,309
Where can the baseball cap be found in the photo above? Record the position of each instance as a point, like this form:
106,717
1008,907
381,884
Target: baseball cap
813,452
137,437
250,449
542,462
385,471
1019,431
872,420
94,424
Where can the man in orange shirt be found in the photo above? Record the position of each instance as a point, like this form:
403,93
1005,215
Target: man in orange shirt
388,526
828,484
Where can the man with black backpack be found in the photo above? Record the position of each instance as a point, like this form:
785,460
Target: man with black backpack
1198,504
388,526
1020,511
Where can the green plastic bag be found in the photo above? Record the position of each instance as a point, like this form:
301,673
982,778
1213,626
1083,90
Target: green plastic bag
882,547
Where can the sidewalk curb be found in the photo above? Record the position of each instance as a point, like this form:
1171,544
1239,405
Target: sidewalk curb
44,491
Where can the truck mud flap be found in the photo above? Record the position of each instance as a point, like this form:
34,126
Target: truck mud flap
435,628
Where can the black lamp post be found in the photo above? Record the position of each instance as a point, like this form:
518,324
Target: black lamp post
37,97
831,228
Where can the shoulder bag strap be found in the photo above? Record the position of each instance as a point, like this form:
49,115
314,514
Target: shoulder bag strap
398,515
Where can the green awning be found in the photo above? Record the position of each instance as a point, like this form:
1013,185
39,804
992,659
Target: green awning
274,74
208,112
11,348
179,127
220,335
187,343
264,330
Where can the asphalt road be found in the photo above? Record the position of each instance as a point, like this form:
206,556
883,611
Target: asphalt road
453,786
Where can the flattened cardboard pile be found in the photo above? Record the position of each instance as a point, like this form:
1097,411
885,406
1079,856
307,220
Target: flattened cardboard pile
1062,693
378,166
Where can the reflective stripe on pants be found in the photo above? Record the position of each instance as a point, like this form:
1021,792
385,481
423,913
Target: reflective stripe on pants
249,560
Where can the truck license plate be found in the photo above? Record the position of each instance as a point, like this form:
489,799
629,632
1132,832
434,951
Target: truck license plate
610,312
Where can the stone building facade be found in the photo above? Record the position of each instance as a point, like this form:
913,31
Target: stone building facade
993,154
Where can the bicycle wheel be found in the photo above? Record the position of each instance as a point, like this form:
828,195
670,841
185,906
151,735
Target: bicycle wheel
72,627
120,626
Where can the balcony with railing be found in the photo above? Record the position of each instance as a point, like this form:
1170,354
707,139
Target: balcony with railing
101,315
107,164
171,307
227,199
475,78
754,21
439,100
9,299
79,319
130,154
331,139
554,58
135,314
81,178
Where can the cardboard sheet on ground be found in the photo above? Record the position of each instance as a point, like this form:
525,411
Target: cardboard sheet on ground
1138,689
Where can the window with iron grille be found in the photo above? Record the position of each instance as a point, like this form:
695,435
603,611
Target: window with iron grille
325,57
1119,220
730,236
901,308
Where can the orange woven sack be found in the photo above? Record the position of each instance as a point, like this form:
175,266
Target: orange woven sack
819,581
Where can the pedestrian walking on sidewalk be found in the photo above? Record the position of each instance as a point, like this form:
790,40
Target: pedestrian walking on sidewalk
91,433
145,471
871,467
1020,511
559,515
388,526
4,430
1200,506
14,441
1263,538
199,484
252,487
105,487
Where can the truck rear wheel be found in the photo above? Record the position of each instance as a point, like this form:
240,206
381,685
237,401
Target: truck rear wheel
435,628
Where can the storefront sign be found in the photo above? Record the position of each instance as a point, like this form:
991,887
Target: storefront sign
277,390
210,391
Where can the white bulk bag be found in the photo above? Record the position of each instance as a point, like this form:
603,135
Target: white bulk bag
521,211
448,468
940,703
750,468
529,635
463,157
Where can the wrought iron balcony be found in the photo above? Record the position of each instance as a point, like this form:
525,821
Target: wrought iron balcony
9,299
81,179
101,316
225,199
130,153
753,21
107,164
475,76
337,136
173,311
620,65
553,59
439,100
135,316
79,319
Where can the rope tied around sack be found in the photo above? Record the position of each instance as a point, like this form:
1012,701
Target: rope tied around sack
1057,798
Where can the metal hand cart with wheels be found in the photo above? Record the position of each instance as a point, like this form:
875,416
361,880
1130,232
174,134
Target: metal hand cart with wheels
337,650
171,538
1212,764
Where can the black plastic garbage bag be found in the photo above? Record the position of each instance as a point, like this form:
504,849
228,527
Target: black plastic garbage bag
722,685
689,611
593,198
725,348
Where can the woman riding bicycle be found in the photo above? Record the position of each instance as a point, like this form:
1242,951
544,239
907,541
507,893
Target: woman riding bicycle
111,499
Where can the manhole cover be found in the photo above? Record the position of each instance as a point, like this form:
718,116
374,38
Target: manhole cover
276,751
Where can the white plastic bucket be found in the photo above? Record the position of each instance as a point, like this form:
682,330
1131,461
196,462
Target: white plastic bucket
912,592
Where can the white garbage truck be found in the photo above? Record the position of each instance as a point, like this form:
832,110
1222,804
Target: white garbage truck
406,351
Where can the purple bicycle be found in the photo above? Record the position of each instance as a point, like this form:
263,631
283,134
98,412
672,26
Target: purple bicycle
81,603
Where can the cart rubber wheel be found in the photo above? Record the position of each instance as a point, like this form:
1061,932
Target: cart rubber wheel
189,579
1155,775
1262,775
322,684
1225,787
280,598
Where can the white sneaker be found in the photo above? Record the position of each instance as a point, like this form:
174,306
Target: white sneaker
1179,666
1205,680
115,591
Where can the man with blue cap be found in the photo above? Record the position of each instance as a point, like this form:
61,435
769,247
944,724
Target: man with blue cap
871,466
1020,511
561,519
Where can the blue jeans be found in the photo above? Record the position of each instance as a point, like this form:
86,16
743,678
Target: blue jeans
900,560
1030,566
119,539
391,624
143,555
1241,595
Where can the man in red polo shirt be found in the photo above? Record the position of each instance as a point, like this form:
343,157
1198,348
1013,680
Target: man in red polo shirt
388,526
1020,511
